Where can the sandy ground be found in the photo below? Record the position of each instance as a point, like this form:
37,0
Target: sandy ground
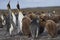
43,36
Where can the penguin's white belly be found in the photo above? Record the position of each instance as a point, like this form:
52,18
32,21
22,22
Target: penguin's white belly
11,29
20,21
2,17
14,18
3,22
20,24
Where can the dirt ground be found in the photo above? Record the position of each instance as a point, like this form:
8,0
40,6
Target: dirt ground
5,36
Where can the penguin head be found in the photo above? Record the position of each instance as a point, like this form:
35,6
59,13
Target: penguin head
8,5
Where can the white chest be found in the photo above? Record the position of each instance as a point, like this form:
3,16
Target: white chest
20,17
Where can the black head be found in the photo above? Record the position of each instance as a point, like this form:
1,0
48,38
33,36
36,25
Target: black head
8,5
18,7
